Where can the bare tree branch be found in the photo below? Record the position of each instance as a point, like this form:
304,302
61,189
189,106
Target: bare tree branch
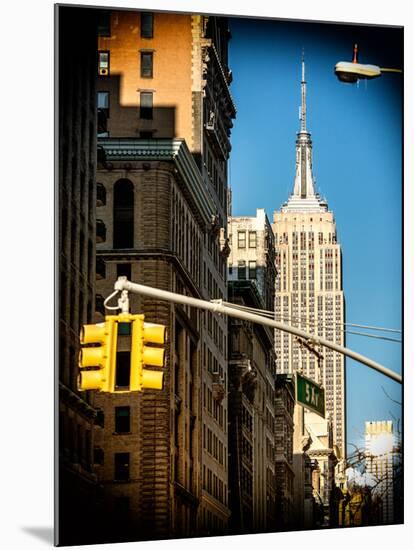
390,398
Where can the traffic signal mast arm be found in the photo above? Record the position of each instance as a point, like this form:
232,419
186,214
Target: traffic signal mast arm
216,306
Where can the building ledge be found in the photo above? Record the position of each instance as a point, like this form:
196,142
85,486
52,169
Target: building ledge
213,502
186,495
75,401
173,150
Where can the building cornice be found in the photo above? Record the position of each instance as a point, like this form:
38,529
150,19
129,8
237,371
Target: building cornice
327,453
168,150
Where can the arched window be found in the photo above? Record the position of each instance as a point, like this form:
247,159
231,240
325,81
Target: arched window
123,214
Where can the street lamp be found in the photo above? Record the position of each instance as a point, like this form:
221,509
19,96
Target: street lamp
351,72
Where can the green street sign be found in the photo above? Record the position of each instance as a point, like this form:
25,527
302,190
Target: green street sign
310,394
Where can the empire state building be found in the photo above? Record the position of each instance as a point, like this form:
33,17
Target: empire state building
309,291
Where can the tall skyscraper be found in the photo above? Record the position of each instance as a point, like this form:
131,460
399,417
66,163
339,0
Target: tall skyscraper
309,291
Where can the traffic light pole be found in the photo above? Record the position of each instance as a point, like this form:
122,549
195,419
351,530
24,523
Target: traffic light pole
217,306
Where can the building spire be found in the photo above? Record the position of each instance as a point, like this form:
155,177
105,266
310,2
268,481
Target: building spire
303,88
304,196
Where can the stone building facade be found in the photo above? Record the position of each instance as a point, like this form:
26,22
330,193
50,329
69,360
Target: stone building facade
162,456
322,453
305,507
252,422
77,489
284,428
252,255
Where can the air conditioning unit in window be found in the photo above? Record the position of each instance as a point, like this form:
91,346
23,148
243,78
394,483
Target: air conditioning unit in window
103,71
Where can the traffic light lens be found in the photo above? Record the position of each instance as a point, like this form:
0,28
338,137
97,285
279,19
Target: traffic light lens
152,379
124,329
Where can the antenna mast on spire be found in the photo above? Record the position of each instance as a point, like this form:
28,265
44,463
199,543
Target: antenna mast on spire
303,86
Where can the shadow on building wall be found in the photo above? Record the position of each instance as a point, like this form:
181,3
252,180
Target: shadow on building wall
142,120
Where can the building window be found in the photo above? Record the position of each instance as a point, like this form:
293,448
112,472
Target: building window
99,303
104,23
147,59
103,63
100,418
123,214
147,25
123,270
146,134
100,231
252,239
121,467
103,113
100,194
252,269
122,420
146,105
231,269
98,456
241,271
241,239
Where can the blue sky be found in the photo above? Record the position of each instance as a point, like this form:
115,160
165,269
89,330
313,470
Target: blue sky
357,160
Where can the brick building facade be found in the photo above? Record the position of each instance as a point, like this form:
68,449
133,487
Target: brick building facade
162,456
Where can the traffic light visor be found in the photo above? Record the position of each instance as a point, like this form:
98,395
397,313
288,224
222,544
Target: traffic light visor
90,380
152,379
153,356
91,334
154,334
91,357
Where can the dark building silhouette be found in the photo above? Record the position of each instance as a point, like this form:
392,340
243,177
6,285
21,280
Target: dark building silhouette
77,489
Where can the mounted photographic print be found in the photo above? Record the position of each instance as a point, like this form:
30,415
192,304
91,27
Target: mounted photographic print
229,276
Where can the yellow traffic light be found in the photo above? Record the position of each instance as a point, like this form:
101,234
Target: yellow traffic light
98,354
143,355
97,357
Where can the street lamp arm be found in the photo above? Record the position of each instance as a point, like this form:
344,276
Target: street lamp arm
123,284
390,70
